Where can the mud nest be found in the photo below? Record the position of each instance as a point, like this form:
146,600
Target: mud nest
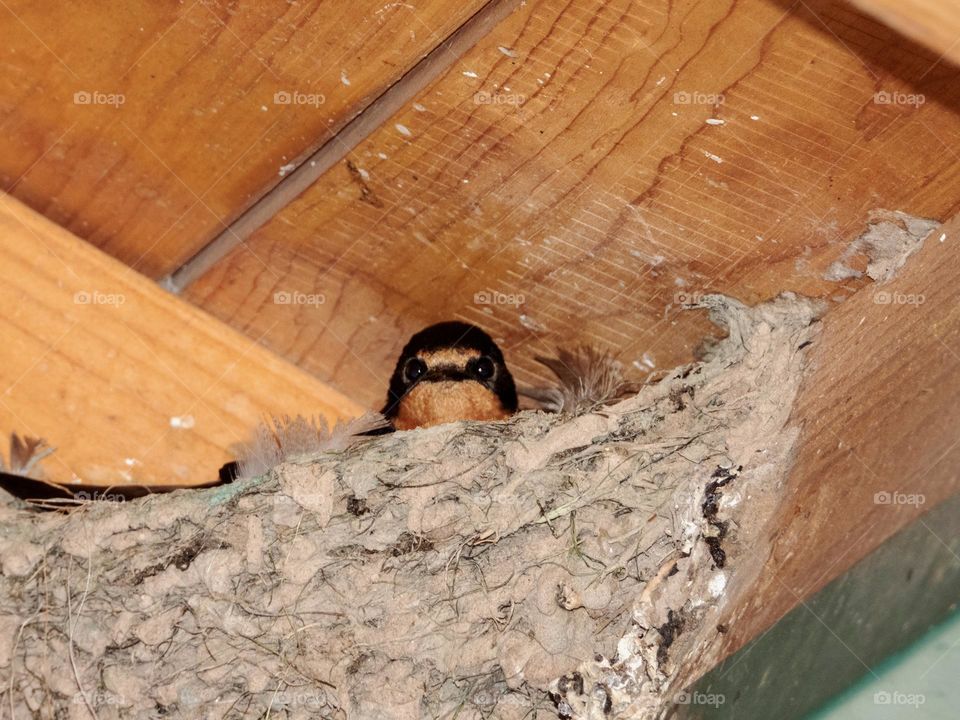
550,565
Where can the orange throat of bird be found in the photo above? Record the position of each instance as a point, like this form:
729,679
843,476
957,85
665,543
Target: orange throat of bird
435,403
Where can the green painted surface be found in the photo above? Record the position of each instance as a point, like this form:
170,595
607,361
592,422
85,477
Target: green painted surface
922,682
845,635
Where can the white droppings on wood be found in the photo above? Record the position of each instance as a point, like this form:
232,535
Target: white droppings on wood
403,130
716,121
530,324
716,158
343,77
506,51
285,169
182,422
470,74
393,5
730,500
653,260
717,584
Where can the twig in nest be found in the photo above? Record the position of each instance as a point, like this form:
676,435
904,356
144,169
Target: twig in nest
72,626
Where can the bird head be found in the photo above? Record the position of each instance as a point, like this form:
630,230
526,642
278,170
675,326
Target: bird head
447,372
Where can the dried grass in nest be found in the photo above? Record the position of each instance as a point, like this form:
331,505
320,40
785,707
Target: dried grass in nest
547,565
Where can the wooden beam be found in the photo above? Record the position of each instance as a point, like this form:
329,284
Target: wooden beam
190,111
131,384
589,165
879,446
932,23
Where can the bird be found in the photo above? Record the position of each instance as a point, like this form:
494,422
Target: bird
447,372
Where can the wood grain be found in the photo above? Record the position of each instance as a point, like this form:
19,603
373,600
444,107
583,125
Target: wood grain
602,162
131,384
880,435
201,132
933,23
346,139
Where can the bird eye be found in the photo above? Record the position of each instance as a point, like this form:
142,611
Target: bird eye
414,369
483,368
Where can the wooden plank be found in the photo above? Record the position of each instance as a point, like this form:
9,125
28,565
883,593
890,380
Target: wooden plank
933,23
131,384
204,127
880,444
602,161
332,152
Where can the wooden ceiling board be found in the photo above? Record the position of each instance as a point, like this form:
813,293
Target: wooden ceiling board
146,128
129,383
603,162
933,23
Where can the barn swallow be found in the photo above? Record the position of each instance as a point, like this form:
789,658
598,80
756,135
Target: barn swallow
447,372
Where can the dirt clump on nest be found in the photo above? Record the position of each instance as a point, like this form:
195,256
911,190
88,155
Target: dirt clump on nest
549,565
890,239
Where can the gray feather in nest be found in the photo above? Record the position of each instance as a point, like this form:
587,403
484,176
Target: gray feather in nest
587,377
